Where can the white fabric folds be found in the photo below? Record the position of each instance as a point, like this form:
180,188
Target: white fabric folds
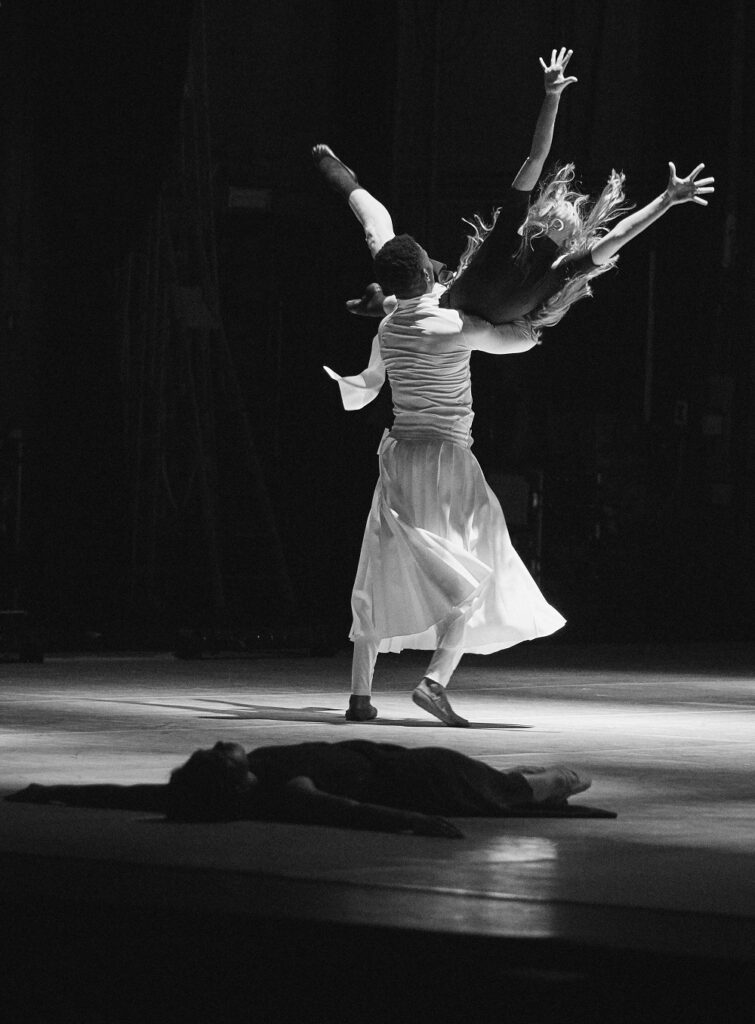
436,544
436,559
363,388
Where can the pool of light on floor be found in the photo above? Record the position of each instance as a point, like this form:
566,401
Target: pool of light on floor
518,849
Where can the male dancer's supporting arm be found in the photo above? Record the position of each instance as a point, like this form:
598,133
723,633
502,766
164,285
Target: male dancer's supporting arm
555,83
678,190
502,339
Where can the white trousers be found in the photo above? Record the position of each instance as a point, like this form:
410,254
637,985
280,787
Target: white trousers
442,664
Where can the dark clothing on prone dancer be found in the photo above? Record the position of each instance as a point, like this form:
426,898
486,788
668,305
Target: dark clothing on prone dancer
429,780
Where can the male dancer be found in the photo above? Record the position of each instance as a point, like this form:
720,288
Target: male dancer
437,568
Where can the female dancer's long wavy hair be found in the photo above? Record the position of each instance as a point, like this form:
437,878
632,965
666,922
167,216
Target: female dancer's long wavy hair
556,199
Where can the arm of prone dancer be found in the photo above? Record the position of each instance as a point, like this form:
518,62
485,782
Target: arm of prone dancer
555,83
501,340
144,797
303,802
678,190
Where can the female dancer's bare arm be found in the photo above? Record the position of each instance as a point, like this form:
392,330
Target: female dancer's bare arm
678,190
555,83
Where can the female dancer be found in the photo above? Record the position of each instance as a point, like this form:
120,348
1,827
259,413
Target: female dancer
357,784
537,257
378,225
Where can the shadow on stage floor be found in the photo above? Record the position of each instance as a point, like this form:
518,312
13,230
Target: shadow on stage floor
110,915
334,716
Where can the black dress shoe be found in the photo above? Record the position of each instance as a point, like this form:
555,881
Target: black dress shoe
360,709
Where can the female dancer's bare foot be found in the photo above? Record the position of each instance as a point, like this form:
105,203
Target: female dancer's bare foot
554,784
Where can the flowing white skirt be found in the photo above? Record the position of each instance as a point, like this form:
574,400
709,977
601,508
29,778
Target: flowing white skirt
435,544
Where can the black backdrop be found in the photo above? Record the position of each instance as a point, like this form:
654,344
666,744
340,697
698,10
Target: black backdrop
646,462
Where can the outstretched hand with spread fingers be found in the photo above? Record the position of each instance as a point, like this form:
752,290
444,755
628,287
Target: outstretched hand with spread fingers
555,83
689,189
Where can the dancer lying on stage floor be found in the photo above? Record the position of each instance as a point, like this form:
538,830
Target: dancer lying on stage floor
437,569
356,784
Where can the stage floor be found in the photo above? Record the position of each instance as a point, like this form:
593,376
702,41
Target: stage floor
668,736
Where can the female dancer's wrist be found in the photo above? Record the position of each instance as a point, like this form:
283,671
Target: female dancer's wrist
666,200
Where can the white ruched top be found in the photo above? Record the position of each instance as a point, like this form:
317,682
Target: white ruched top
425,348
436,549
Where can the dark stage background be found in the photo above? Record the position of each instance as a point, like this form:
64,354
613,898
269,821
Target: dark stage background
173,278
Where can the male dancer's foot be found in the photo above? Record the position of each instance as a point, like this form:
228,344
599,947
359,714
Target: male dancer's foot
360,708
340,177
370,304
431,697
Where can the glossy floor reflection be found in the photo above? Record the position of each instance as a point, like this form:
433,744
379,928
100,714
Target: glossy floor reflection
668,736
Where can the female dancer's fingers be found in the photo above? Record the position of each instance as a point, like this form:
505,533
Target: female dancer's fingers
705,181
568,81
710,188
694,174
567,58
672,169
543,64
702,202
553,56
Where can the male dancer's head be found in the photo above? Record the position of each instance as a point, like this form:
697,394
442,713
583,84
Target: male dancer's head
403,268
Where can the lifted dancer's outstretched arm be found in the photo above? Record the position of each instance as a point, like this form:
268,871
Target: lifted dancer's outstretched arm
678,190
555,83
